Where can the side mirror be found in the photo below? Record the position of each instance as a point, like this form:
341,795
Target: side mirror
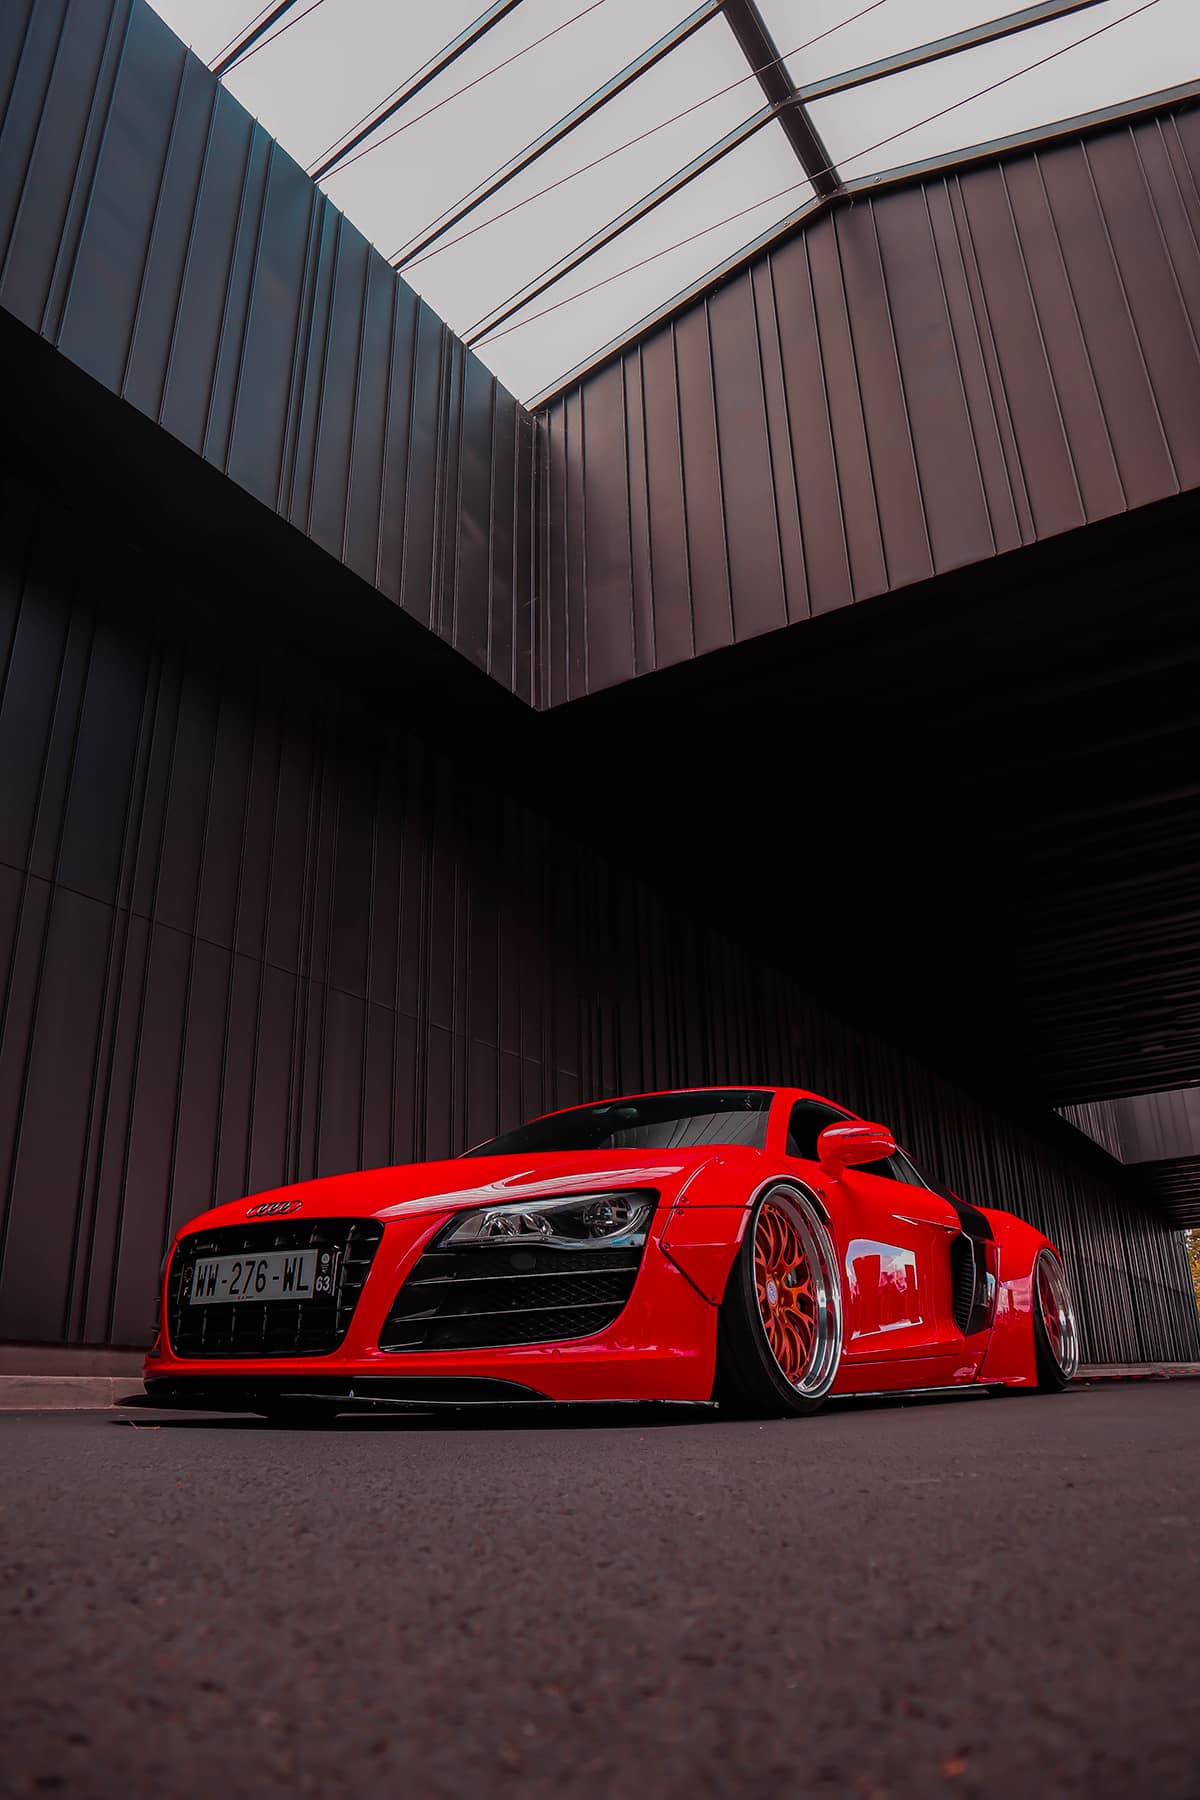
848,1146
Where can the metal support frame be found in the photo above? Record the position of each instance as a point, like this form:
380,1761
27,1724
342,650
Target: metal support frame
978,35
436,66
251,38
758,47
632,215
786,105
578,115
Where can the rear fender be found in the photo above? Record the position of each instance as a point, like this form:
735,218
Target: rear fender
1011,1355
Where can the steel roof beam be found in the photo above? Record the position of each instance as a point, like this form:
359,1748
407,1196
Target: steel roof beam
436,66
937,48
568,123
758,47
632,215
251,38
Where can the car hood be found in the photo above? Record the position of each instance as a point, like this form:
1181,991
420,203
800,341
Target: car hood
413,1188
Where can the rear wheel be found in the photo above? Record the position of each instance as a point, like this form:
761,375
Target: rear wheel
779,1332
1055,1331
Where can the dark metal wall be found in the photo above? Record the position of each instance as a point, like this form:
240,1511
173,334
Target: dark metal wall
252,930
156,235
915,382
1159,1132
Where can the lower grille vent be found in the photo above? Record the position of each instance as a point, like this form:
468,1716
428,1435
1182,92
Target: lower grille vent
962,1271
973,1279
471,1299
271,1327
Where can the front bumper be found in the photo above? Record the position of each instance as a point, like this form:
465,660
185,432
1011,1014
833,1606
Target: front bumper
662,1346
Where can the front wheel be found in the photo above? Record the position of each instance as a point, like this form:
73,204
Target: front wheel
1055,1331
779,1331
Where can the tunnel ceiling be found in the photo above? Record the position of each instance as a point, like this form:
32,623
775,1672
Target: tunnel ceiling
982,805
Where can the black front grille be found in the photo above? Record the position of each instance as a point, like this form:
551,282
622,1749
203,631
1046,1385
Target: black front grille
271,1327
473,1299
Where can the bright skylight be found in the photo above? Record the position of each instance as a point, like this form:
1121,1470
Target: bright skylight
325,67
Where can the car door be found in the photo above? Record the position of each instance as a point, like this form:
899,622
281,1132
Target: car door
894,1237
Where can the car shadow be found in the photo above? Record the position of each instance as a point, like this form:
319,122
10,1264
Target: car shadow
502,1418
580,1416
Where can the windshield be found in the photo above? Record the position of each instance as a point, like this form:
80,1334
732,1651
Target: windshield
655,1122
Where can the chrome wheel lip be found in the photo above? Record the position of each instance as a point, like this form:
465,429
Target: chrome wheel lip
817,1244
1056,1309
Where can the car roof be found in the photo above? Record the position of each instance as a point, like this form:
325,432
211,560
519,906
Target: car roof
708,1087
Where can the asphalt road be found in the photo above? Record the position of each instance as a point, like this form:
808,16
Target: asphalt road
969,1597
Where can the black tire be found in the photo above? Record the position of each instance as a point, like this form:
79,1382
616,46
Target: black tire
751,1381
1055,1331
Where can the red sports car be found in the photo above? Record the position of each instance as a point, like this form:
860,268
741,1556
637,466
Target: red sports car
760,1247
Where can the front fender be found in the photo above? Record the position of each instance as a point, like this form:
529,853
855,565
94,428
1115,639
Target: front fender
1011,1356
707,1223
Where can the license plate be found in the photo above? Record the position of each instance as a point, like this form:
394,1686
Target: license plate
275,1275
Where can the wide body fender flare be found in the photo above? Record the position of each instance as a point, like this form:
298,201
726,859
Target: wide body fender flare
707,1223
1011,1355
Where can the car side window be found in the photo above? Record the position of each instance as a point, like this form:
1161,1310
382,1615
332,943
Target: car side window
903,1170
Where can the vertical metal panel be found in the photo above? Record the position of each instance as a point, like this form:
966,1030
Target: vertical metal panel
666,510
810,447
637,496
748,489
704,511
155,234
858,500
420,534
871,307
526,600
948,486
297,939
274,310
98,279
471,514
572,617
609,622
778,447
942,371
58,103
501,546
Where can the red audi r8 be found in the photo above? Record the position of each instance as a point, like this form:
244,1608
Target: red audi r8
760,1247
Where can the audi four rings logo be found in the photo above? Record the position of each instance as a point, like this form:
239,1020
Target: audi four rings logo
266,1207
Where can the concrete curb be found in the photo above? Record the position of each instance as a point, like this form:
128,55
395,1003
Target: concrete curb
64,1393
1138,1372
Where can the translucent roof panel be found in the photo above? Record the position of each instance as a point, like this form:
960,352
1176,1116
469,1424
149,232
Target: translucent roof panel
873,128
751,189
571,192
326,68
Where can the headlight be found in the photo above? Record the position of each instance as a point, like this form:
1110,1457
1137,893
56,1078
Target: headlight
601,1221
